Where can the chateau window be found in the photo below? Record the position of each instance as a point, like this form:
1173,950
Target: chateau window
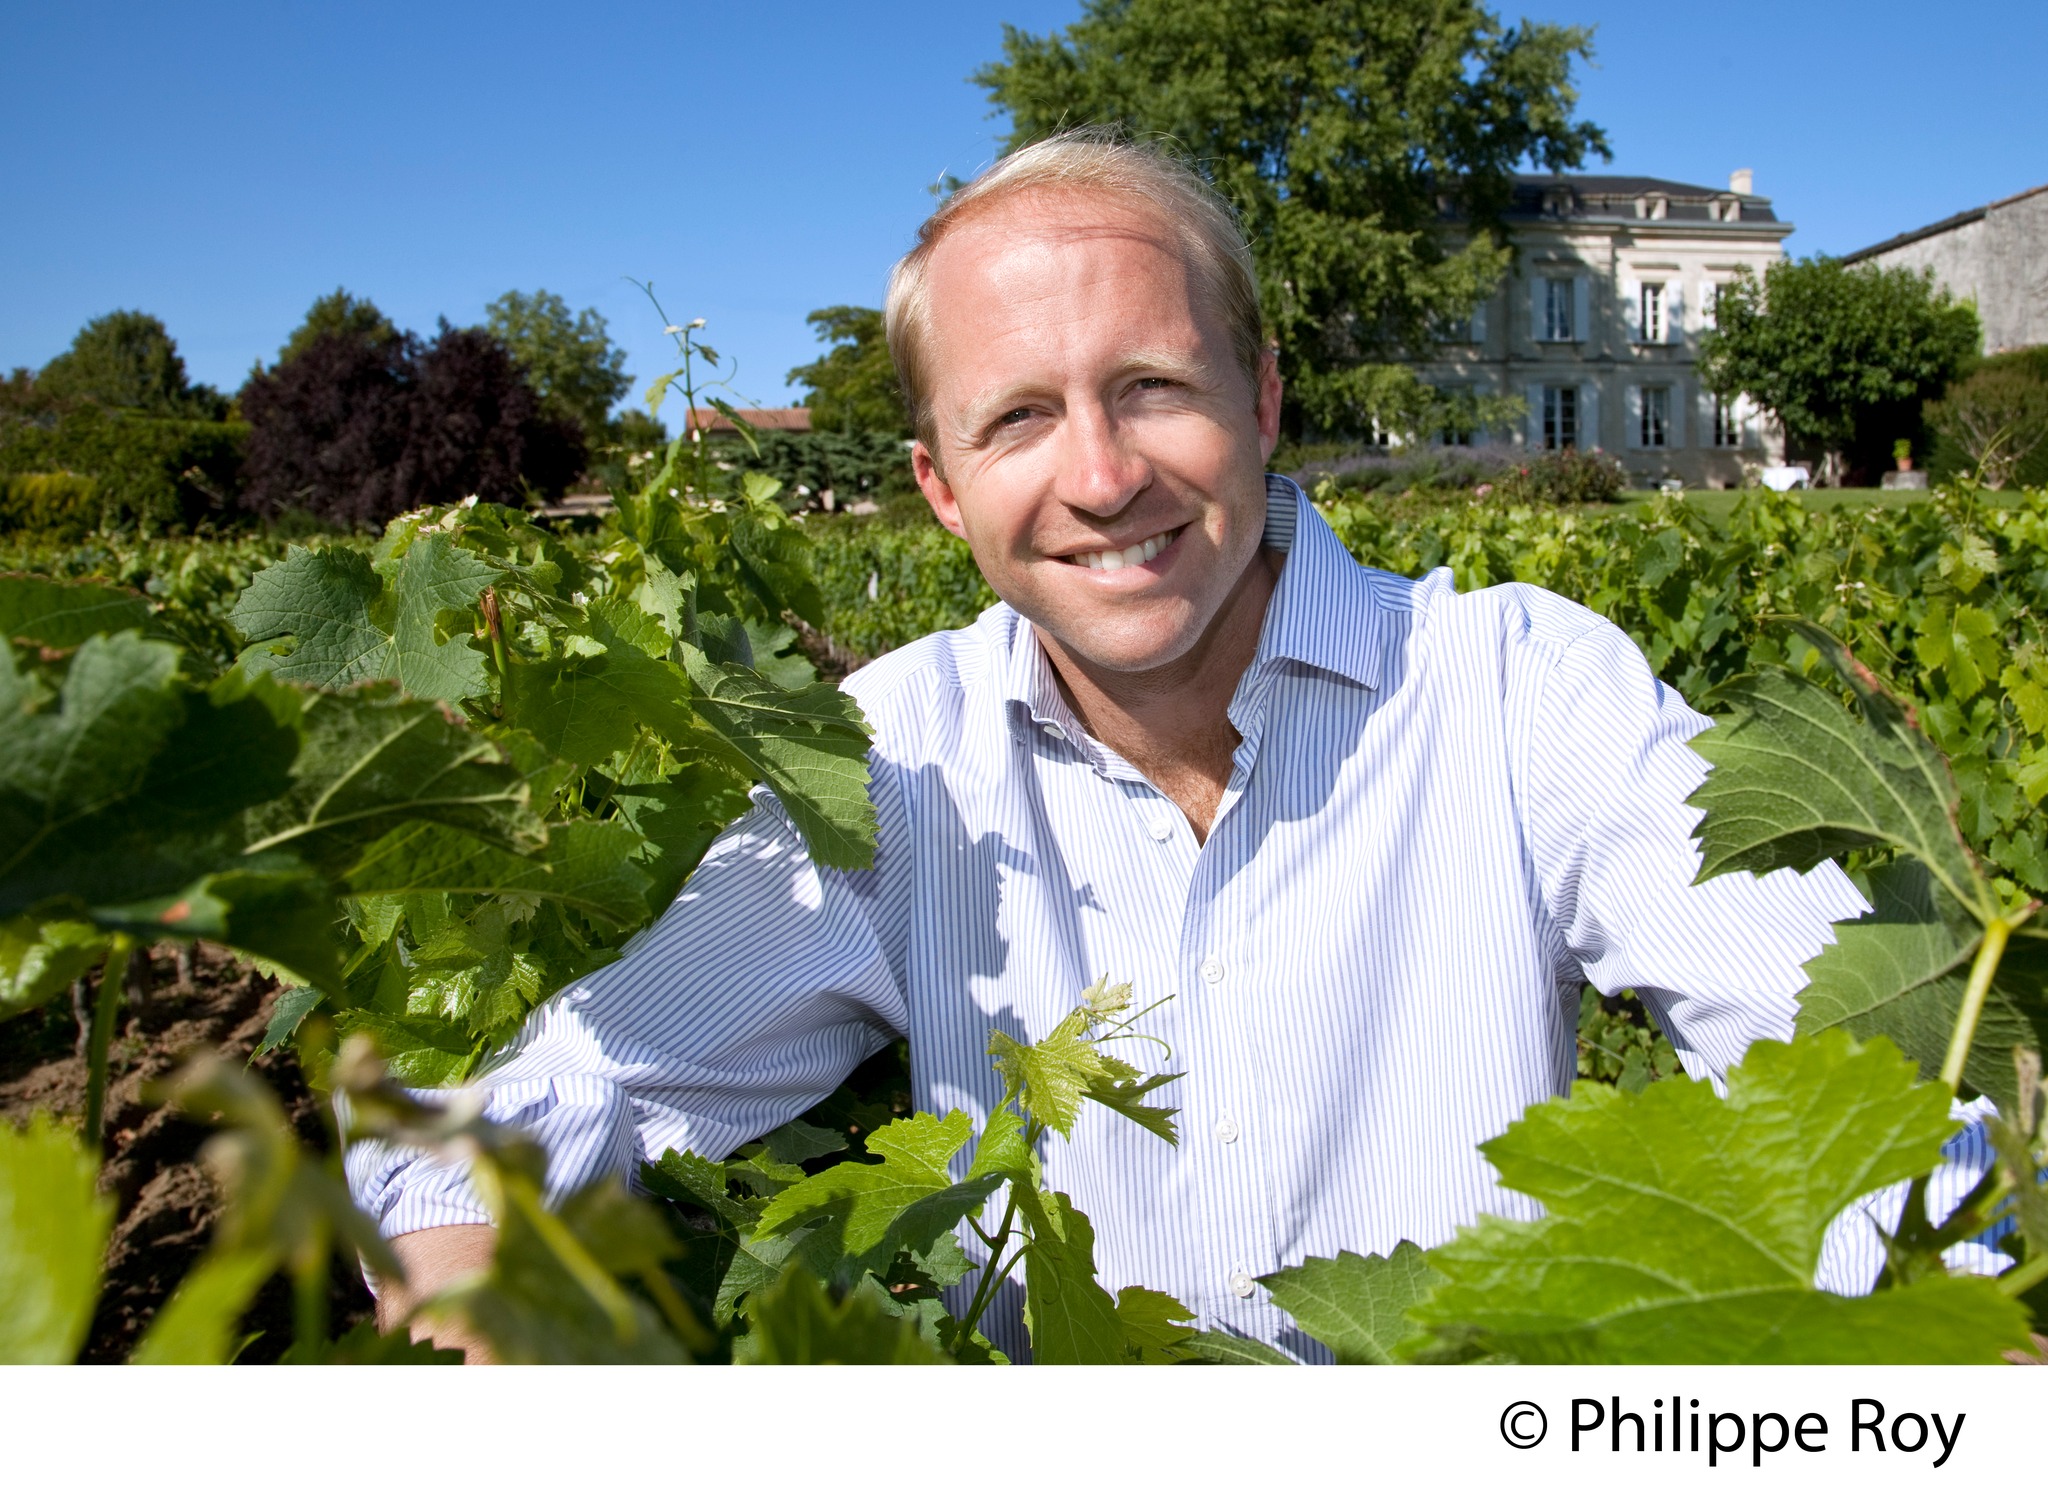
1653,324
1654,431
1559,296
1727,426
1561,415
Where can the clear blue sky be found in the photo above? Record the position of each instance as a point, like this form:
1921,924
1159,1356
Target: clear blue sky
221,165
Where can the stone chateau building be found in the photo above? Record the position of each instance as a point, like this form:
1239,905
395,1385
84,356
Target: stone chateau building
1597,326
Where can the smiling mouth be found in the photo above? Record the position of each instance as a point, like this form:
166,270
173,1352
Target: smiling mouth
1110,560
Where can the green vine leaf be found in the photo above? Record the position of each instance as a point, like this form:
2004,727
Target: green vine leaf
373,760
342,619
795,1322
53,1235
810,747
65,613
1900,971
863,1200
1072,1318
1797,779
1357,1306
1687,1228
586,866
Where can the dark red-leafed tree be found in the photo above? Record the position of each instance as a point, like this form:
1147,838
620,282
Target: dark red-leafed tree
355,428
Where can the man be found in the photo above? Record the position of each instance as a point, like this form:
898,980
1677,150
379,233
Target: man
1369,834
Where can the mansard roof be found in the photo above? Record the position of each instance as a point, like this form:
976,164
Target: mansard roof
1590,196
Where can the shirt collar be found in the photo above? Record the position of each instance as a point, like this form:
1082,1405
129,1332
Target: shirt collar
1322,614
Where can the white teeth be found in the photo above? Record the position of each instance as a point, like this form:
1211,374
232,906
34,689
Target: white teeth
1138,552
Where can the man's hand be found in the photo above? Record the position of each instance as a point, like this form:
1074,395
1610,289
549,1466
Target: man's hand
432,1259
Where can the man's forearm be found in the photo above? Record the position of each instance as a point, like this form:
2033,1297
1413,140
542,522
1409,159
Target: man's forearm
433,1259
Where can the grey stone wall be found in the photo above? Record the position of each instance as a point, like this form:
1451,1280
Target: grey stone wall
2000,261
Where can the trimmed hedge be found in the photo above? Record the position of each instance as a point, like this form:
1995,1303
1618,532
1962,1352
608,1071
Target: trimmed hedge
151,474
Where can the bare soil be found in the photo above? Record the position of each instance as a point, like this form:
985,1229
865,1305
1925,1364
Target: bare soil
166,1205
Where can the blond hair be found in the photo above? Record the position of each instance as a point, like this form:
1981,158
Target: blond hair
1088,160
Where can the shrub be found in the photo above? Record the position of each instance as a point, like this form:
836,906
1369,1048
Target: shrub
1995,420
152,474
1569,477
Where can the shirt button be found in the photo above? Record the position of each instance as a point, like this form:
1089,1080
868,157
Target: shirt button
1055,732
1160,828
1212,970
1243,1284
1226,1129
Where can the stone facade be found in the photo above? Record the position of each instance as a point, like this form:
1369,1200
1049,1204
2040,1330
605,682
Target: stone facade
1993,256
1597,327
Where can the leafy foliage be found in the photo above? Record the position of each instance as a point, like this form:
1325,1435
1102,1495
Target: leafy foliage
340,313
1334,128
852,386
1684,1227
128,360
570,362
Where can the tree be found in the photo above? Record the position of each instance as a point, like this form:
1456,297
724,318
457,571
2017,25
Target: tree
1843,356
480,428
570,361
853,385
1997,415
355,431
1369,146
339,312
127,360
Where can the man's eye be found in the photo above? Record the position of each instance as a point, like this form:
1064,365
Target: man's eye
1014,416
1154,383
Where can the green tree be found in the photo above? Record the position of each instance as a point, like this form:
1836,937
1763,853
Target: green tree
570,360
1369,146
339,312
127,360
853,385
1844,356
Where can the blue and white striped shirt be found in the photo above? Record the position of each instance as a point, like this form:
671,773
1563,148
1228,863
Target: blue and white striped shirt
1446,812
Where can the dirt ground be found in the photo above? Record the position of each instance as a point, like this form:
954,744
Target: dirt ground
201,1001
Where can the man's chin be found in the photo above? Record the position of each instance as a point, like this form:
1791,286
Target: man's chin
1144,647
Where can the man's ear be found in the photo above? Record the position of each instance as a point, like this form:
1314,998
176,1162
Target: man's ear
1268,410
936,491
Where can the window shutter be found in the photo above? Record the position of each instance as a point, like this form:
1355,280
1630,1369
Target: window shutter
1535,399
1582,299
1632,308
1479,324
1704,415
1709,295
1536,286
1632,435
1674,312
1589,413
1674,409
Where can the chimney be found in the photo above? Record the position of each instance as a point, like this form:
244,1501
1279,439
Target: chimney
1742,180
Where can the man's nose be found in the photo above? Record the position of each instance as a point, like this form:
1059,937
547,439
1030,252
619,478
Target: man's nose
1100,468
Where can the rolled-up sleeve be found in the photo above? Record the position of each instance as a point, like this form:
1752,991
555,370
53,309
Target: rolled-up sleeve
751,998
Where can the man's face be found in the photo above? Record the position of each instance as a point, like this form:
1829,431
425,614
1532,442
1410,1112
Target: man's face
1100,448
